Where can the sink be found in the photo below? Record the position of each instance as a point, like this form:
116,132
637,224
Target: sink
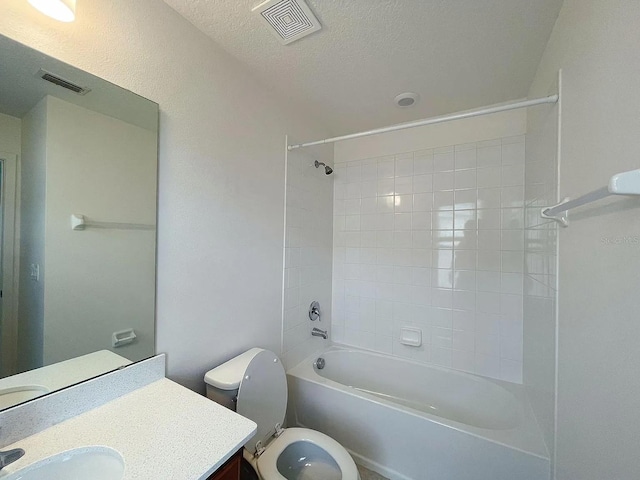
21,393
96,463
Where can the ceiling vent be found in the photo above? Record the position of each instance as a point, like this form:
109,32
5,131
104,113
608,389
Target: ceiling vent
61,82
288,20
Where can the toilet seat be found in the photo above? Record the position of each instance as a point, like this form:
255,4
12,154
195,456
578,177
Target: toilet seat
262,397
267,462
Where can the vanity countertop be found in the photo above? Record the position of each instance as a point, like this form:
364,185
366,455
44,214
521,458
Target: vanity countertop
163,431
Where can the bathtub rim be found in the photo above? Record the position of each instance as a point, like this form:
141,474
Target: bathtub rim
305,371
510,389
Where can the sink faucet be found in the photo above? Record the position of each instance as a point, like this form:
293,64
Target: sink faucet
10,456
319,333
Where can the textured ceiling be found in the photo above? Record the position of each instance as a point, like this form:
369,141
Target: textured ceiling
457,54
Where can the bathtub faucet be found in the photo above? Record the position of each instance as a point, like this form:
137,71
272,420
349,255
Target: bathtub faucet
319,333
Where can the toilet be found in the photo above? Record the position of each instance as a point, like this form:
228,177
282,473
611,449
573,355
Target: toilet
254,384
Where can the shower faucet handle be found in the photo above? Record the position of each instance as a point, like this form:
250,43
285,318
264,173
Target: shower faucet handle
314,311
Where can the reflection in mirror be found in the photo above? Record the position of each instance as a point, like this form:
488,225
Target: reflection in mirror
78,176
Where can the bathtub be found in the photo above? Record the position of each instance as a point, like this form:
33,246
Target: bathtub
408,420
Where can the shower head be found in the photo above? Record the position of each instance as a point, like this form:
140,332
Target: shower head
327,169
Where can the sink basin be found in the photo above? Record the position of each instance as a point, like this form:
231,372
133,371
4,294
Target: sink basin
96,463
14,395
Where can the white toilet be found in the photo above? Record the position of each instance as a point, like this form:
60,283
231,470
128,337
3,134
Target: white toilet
254,384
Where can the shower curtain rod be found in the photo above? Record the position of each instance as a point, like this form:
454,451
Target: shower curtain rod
433,120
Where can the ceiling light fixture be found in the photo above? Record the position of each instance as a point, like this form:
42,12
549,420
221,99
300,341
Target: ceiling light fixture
407,99
61,10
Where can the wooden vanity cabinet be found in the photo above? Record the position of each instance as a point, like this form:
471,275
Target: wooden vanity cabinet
230,470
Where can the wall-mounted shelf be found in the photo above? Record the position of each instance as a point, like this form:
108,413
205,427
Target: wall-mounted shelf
625,183
80,222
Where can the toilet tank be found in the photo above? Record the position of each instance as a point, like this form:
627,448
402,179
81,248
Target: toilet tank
224,380
226,398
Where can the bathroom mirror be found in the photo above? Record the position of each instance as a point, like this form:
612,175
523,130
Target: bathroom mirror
78,195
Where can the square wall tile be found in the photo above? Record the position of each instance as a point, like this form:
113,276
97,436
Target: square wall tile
465,158
433,239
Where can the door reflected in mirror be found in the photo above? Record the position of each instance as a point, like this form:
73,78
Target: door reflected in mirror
78,190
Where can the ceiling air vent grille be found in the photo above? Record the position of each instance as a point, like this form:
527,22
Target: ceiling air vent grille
61,82
289,20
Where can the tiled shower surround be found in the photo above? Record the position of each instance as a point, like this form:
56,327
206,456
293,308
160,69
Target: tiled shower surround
307,274
434,240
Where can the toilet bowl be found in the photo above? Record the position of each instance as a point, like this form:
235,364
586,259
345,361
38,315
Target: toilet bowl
254,384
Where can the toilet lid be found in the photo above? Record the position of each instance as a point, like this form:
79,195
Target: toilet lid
262,396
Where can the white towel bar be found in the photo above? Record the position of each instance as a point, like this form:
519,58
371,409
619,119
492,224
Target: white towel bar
625,183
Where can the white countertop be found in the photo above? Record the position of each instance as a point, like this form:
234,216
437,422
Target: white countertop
163,431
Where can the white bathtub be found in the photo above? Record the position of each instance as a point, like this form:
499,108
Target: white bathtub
407,420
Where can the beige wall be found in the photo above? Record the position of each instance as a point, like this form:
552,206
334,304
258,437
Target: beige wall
596,45
221,150
9,134
98,281
469,130
32,214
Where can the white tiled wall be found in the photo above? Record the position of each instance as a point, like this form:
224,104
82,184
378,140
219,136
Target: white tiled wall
433,239
307,273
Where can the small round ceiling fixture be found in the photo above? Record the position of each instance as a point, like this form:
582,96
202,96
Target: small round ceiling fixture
407,99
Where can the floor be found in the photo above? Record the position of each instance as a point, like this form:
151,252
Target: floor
366,474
